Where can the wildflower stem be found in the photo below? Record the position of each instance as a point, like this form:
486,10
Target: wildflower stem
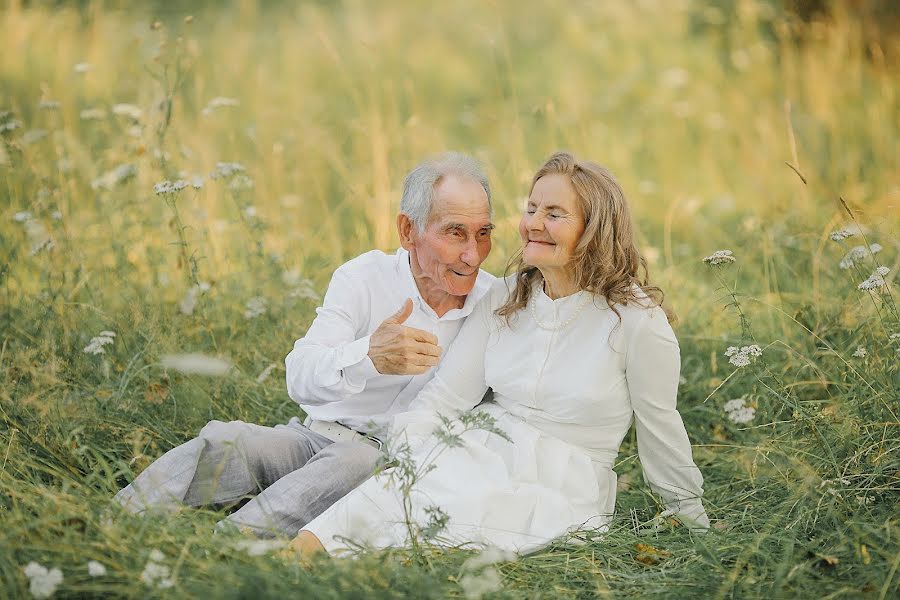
188,261
745,323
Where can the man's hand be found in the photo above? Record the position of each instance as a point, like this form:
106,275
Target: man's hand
396,349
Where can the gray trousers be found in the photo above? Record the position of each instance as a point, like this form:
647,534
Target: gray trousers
293,473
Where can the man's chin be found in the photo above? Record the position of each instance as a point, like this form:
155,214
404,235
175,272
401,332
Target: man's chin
460,285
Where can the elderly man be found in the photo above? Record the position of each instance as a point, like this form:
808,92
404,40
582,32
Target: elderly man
373,345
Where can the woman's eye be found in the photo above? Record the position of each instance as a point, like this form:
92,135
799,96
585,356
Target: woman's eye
555,215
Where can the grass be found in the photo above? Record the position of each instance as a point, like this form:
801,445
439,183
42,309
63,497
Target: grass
697,109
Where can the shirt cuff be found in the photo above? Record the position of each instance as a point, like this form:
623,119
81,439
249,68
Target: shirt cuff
355,364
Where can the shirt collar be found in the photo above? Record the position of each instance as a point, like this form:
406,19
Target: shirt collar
482,285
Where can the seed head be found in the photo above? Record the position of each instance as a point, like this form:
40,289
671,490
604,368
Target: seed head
720,257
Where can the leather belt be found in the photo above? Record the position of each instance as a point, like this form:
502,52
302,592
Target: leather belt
340,433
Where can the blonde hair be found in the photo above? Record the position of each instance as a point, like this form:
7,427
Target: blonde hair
607,263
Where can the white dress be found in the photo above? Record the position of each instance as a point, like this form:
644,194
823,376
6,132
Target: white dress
566,397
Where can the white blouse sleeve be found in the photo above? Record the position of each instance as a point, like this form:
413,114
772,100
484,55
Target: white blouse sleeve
459,383
652,368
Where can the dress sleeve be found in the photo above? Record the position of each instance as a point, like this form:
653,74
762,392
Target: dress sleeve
459,383
652,371
330,363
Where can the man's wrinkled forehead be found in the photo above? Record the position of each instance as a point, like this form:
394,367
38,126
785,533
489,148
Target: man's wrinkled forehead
461,201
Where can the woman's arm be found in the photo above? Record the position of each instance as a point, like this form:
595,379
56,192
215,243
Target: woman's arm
652,371
459,383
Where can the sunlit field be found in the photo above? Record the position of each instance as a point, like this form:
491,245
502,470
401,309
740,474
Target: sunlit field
731,126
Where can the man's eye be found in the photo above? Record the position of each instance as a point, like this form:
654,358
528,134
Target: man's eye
458,233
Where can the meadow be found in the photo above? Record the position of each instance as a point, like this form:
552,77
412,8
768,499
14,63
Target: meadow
731,126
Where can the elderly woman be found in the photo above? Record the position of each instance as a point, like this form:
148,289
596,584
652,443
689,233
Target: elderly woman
575,347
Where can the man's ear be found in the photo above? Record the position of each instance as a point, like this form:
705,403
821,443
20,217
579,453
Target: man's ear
406,230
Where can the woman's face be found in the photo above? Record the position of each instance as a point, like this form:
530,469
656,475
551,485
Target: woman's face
552,223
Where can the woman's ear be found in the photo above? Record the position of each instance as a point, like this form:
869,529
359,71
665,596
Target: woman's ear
406,231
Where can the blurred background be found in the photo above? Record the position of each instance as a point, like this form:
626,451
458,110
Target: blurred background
759,126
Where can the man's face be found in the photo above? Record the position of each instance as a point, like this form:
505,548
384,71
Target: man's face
446,256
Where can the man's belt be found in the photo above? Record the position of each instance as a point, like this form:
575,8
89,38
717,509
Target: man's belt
339,433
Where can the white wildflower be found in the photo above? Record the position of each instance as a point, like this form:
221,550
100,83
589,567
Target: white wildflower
128,110
256,307
92,114
740,360
156,575
480,575
736,404
858,253
861,352
96,569
169,187
197,182
189,302
10,126
304,289
135,131
474,586
240,183
739,411
82,67
224,170
741,357
21,217
258,547
157,556
104,338
720,257
48,105
249,211
38,236
56,215
488,556
114,177
876,280
34,135
264,374
219,102
42,582
841,234
195,364
895,337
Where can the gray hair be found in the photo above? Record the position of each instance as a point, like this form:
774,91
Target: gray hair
418,188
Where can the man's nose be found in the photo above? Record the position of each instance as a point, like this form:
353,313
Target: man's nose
470,252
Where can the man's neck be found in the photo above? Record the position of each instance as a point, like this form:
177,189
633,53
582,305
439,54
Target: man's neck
440,301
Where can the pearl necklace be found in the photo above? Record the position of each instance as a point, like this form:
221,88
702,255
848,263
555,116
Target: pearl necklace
556,326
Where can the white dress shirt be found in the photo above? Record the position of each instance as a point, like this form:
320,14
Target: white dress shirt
329,372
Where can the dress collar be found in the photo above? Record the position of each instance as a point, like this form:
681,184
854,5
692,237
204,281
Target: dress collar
551,311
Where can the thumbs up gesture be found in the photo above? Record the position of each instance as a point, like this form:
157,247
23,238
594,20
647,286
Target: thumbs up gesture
396,349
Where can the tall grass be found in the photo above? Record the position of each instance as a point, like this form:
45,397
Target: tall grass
695,109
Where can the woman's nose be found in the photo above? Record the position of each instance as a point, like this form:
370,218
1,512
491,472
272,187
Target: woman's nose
534,222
